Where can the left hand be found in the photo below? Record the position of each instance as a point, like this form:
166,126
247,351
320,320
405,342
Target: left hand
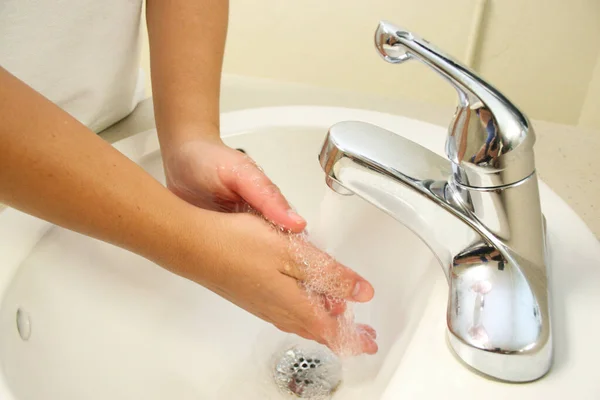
208,174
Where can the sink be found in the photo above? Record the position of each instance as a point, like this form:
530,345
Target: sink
81,319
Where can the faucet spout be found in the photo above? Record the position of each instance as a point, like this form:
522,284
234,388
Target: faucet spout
489,245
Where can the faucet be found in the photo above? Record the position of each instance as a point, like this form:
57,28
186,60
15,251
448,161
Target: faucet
478,210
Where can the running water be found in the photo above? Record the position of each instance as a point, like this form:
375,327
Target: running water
314,251
301,367
327,237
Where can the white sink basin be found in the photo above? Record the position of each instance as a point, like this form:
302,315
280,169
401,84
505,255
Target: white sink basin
106,324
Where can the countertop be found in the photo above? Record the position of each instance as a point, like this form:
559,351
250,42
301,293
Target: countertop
567,157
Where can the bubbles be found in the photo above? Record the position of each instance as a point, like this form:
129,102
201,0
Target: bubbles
323,278
325,284
347,340
321,273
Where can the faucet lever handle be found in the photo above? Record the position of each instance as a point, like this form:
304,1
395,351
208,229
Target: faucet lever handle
490,141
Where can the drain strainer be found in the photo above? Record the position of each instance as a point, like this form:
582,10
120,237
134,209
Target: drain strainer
308,373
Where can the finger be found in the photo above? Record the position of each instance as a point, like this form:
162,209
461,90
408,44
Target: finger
297,331
367,330
335,306
368,344
341,335
353,340
346,338
208,201
320,273
348,285
257,189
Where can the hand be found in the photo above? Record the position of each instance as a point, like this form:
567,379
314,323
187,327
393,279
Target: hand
282,279
207,173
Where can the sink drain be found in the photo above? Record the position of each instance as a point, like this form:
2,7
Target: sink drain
308,373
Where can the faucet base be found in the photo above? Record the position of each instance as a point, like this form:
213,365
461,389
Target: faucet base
514,369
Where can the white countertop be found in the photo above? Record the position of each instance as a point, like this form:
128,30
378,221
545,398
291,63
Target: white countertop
566,156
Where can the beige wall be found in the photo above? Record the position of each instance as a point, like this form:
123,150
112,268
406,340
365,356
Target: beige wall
540,53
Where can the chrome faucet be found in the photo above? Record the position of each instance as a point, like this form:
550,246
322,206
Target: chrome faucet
479,212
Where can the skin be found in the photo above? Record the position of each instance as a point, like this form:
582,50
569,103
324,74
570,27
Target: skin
53,167
187,39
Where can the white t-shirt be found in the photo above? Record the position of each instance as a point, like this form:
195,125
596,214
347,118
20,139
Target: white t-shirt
83,55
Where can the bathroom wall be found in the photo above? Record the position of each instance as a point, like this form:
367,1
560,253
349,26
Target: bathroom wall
543,54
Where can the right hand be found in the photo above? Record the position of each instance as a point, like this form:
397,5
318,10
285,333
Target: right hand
284,280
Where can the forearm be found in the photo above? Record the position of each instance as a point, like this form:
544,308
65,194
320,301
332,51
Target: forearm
53,167
187,40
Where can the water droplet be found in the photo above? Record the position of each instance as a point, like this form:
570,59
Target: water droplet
23,324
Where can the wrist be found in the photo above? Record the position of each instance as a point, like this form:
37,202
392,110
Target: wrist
197,248
183,241
173,138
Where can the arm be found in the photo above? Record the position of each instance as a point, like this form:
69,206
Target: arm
187,40
53,167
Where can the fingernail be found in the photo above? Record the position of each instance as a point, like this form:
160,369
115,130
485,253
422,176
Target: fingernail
356,291
361,293
298,219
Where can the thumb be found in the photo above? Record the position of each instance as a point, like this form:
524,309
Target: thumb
321,273
264,196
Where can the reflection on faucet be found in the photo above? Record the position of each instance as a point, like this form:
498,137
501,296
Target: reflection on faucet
479,253
489,153
490,240
477,331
